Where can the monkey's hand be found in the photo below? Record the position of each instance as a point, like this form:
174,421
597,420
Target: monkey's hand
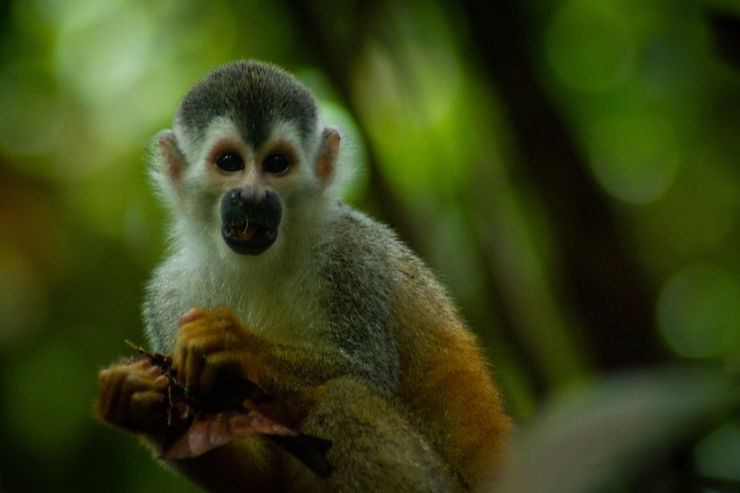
224,365
132,396
212,345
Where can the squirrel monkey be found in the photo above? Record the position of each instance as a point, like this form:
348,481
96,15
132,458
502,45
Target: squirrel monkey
309,299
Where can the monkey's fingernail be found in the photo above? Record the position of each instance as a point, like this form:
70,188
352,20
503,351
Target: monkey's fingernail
190,315
161,381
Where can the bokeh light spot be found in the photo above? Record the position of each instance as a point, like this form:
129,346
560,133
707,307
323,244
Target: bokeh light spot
589,46
699,311
634,156
32,110
55,379
104,58
717,454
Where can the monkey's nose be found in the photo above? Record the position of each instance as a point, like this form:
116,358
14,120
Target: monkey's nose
249,219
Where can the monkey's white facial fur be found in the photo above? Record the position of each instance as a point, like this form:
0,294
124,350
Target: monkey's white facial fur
251,183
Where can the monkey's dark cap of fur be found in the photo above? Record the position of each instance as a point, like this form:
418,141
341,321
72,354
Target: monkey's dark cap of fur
255,95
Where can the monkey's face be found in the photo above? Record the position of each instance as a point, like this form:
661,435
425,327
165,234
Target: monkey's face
240,194
246,199
247,167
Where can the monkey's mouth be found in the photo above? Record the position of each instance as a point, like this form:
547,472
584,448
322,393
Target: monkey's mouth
248,238
250,220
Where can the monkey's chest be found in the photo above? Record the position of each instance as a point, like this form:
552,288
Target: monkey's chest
282,315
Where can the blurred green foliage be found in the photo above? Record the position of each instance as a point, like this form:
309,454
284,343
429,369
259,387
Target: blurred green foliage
646,103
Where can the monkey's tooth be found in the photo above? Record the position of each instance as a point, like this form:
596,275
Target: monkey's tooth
246,227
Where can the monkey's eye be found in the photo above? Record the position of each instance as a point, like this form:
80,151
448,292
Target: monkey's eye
275,164
229,161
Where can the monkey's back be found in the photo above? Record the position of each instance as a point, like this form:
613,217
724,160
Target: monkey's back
430,358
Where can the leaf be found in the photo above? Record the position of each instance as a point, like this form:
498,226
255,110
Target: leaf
608,435
213,430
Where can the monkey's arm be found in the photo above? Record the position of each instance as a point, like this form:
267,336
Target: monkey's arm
138,395
373,445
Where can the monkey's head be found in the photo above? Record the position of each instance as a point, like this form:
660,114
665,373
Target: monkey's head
247,159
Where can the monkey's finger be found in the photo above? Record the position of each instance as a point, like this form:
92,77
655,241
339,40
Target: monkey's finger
116,411
155,376
140,365
146,411
142,403
214,327
193,314
179,360
114,393
189,364
161,382
110,382
131,384
209,374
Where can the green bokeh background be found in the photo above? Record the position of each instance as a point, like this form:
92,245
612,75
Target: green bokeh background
590,142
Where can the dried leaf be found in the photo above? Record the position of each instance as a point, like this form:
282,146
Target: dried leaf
210,431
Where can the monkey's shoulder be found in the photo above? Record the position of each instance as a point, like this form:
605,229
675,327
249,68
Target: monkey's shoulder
360,241
368,249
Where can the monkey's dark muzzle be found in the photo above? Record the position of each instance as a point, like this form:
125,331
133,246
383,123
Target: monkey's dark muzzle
250,219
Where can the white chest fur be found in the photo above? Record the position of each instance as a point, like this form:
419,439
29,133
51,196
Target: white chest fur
280,305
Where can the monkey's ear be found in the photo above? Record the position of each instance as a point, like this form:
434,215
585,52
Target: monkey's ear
172,159
326,161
